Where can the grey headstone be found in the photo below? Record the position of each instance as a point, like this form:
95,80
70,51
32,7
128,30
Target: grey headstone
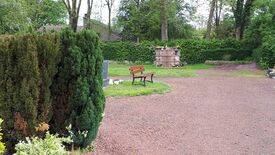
105,73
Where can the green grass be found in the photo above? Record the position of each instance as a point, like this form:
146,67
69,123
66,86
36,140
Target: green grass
239,73
186,71
127,89
248,73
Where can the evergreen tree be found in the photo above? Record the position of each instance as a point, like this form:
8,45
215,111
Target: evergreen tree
79,98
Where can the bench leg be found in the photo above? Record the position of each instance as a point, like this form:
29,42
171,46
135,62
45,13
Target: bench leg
152,78
133,80
144,81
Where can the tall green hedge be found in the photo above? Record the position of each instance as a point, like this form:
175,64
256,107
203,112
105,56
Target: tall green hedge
54,79
78,94
120,51
27,66
192,51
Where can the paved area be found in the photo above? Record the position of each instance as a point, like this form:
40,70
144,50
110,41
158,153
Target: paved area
201,115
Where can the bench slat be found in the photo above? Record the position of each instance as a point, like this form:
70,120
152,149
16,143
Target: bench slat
137,71
136,67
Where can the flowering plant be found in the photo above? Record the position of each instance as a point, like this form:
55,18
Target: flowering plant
50,145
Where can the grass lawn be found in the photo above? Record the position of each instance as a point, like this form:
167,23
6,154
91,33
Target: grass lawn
239,73
248,73
186,71
127,89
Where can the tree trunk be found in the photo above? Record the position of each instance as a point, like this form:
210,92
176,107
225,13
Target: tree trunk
89,10
210,18
73,11
109,25
87,16
73,22
163,20
218,16
238,32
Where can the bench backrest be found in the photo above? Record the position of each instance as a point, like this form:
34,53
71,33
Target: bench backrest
136,69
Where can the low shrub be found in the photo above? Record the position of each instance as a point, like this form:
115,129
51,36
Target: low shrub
2,145
50,145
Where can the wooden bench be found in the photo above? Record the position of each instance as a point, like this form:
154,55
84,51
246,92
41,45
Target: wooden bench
137,73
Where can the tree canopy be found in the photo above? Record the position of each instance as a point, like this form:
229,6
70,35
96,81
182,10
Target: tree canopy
18,16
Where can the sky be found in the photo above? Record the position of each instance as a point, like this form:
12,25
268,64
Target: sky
100,11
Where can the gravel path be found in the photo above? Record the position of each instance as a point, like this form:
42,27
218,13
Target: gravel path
201,115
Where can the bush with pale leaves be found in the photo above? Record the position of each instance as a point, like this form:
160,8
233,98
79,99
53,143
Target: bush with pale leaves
50,145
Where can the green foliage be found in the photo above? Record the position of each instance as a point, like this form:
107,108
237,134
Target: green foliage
27,66
2,145
50,145
226,28
12,17
23,15
45,12
192,51
261,33
267,59
130,51
78,95
141,19
127,89
39,72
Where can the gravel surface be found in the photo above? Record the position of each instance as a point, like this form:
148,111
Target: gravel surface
201,115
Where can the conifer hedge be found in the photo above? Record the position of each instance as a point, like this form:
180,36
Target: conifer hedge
27,66
78,93
51,78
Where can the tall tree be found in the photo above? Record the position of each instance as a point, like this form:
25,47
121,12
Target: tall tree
164,19
242,12
12,17
210,18
143,21
44,12
21,15
109,4
218,10
73,8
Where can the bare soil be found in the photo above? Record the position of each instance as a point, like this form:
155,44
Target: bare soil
201,115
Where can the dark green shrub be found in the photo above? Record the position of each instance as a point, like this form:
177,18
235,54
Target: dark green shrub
267,59
27,66
121,51
77,90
